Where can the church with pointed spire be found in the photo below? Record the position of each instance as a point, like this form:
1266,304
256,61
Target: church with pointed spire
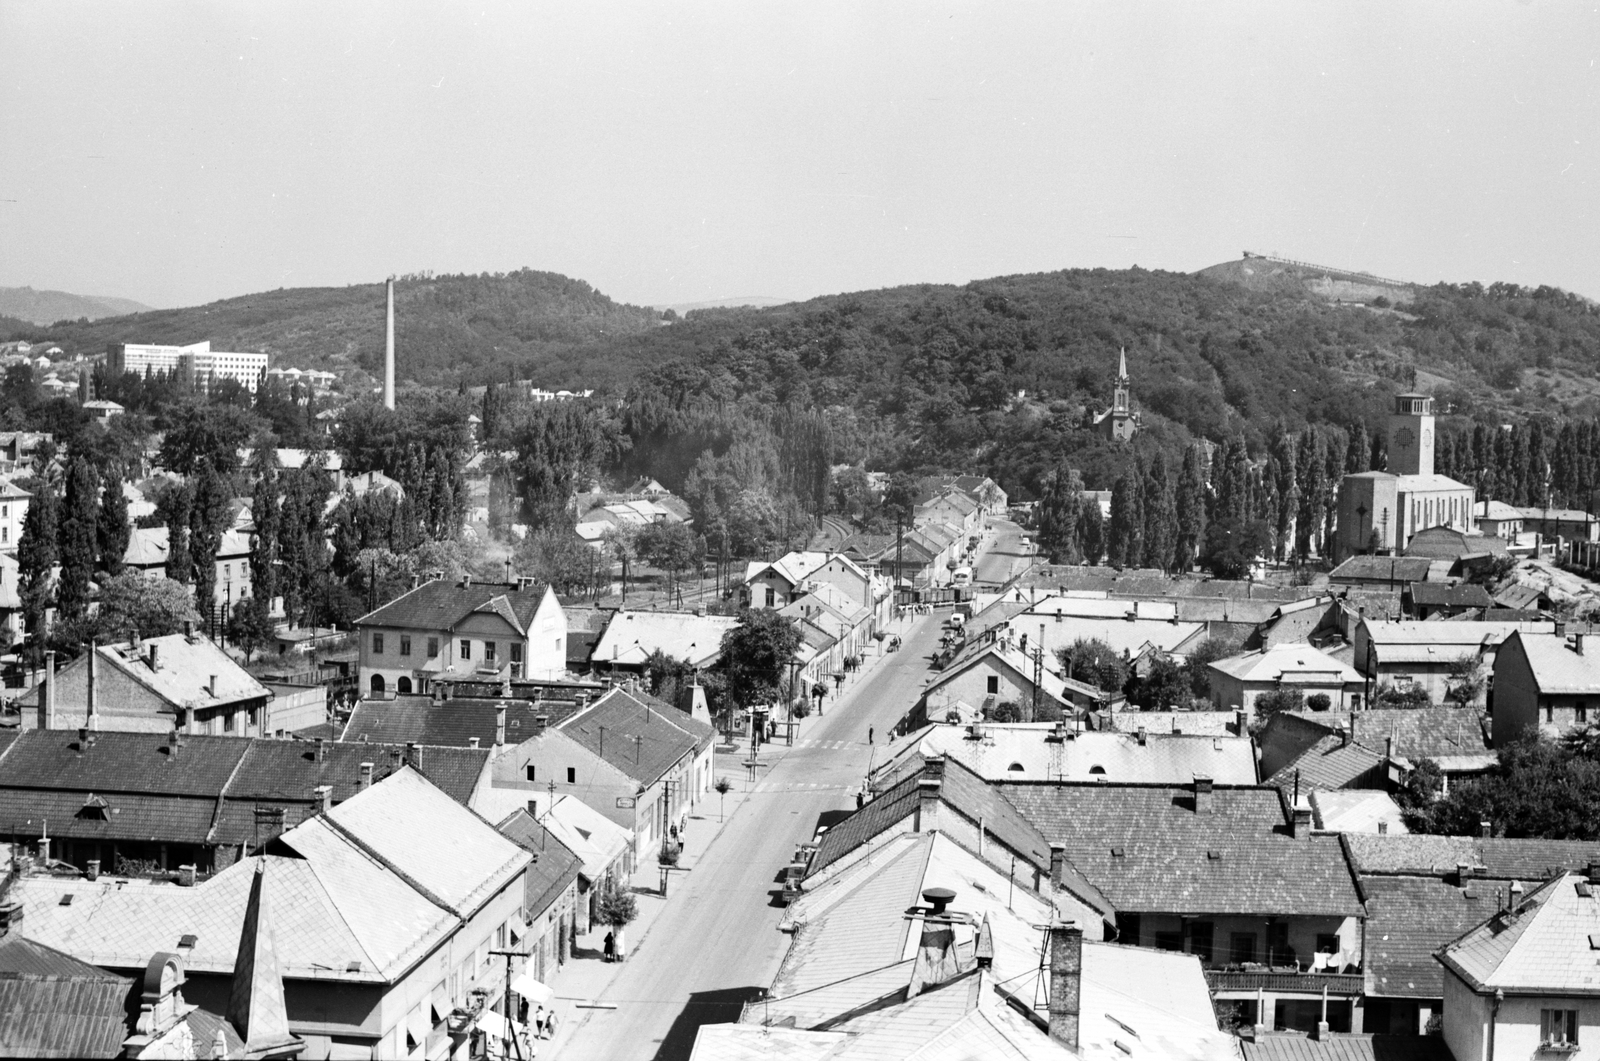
1119,423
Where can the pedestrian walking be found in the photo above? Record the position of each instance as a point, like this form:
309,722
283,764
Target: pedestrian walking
869,734
611,946
860,799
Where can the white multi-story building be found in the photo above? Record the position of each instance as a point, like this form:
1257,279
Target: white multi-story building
197,361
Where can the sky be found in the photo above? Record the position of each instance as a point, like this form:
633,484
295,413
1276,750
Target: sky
176,153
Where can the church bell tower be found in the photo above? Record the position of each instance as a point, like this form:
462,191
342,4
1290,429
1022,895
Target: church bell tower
1411,435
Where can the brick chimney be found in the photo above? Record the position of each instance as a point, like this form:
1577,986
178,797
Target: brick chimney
1066,982
154,659
1238,722
928,788
322,749
188,629
1577,643
365,781
174,743
414,755
499,725
1302,821
540,723
472,742
1058,861
324,794
1143,736
44,850
1485,830
186,875
1202,794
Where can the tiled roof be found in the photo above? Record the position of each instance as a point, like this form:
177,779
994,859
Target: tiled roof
52,1005
1444,543
1342,1047
162,818
1356,811
429,838
451,723
1032,753
1384,568
1498,858
1519,595
630,637
1420,733
441,604
1329,763
1566,515
121,762
1466,636
1288,664
878,815
1436,594
1408,919
1541,944
643,737
1148,851
1183,723
185,669
554,866
1557,668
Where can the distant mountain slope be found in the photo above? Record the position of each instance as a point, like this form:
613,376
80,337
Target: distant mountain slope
1261,272
738,302
47,307
446,327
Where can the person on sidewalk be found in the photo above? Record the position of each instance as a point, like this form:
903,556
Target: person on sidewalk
869,734
611,947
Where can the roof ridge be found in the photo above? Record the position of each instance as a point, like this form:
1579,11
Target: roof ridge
371,852
338,911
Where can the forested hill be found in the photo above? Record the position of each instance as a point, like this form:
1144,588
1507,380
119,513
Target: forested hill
44,307
1004,374
445,326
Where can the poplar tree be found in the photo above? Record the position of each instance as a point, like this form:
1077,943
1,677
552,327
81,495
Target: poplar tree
1190,510
78,538
1092,532
264,513
113,529
36,558
1332,474
208,518
178,501
1160,516
1125,541
1358,457
1286,487
1309,467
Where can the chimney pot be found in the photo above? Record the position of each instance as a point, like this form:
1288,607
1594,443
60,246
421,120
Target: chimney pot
365,781
1383,828
186,875
938,898
1485,830
472,742
1066,982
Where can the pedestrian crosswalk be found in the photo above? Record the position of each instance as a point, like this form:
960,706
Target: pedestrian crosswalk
834,744
799,786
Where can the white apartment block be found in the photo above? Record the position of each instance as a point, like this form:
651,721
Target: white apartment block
197,360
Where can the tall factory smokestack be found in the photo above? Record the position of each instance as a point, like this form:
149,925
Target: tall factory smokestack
388,350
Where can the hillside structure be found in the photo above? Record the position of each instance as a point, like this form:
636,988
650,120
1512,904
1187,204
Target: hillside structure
1379,512
1119,423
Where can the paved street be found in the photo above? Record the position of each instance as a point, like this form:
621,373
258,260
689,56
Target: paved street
1005,557
714,943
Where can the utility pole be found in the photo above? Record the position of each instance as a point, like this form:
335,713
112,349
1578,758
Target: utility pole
505,1000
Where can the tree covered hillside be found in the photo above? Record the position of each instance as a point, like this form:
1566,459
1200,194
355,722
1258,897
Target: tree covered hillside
445,326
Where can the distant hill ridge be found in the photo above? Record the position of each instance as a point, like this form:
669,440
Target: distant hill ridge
1268,272
48,307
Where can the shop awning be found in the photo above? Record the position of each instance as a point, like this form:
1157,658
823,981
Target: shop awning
536,993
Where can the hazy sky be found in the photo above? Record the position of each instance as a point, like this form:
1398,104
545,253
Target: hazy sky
176,153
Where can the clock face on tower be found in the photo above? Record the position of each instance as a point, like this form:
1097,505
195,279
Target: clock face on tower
1404,438
1427,436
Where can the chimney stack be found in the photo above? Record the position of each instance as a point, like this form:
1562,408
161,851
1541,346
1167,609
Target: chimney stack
1143,736
365,781
1592,872
186,875
1485,830
155,656
1058,862
10,916
1302,821
324,794
540,723
1066,982
44,850
499,725
93,713
211,685
174,743
1202,794
322,749
414,755
91,869
47,700
388,347
1238,722
188,629
1577,643
928,788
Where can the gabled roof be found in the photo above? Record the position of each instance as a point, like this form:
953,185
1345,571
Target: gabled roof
1330,763
442,605
1439,595
1287,664
1541,945
53,1005
1495,510
1419,733
1557,667
183,674
1497,858
1356,811
554,865
630,637
1392,638
1010,658
120,762
1381,568
1147,849
642,736
1564,515
1520,595
450,723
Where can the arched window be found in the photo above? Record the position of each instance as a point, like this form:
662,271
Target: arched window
377,684
1015,768
402,685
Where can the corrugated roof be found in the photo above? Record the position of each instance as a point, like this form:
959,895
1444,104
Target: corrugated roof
1343,1047
1147,849
52,1005
441,605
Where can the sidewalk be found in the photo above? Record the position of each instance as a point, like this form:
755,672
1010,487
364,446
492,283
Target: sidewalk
586,975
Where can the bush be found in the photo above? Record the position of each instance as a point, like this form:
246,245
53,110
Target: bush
1318,702
1269,704
616,906
1411,697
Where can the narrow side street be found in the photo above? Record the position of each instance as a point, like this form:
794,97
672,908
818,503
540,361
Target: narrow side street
713,944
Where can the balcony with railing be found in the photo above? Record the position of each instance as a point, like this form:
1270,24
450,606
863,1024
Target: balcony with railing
1251,977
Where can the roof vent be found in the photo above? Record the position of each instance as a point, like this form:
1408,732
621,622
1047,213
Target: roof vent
939,899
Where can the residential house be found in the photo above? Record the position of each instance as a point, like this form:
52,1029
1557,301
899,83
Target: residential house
548,921
952,507
1232,874
1373,748
1425,891
927,951
148,804
148,549
1236,682
1392,571
1031,751
387,906
459,722
784,581
1426,600
512,629
1567,524
631,638
1546,684
180,681
1132,628
1521,983
13,512
102,410
990,673
1429,655
1523,596
1498,519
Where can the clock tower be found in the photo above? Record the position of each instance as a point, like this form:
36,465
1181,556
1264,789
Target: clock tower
1411,435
